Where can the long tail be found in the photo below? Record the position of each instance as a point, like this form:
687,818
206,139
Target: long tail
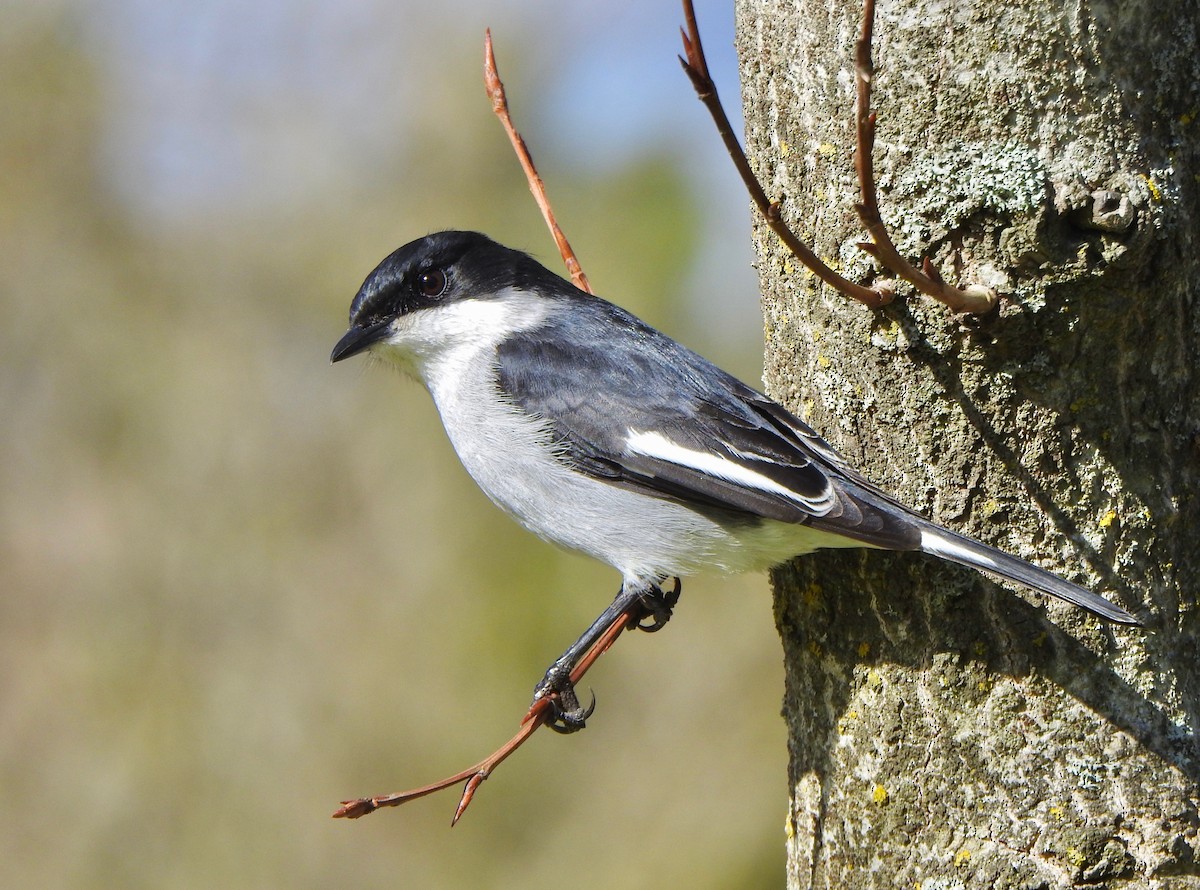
965,551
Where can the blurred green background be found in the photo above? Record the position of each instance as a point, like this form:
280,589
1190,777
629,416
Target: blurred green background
238,584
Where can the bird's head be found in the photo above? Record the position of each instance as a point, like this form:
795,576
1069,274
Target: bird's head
416,299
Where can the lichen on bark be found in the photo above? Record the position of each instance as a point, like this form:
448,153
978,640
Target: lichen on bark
944,728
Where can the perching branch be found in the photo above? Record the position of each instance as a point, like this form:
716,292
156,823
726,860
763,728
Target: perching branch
974,298
495,91
540,712
697,70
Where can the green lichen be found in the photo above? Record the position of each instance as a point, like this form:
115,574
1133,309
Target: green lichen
943,189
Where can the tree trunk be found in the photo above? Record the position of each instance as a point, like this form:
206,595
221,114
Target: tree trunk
944,729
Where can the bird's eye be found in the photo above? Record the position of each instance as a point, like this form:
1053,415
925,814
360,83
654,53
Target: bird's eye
432,283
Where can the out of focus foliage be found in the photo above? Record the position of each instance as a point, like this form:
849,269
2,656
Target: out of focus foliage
236,584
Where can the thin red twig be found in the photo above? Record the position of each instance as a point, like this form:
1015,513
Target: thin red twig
474,776
974,298
696,66
495,91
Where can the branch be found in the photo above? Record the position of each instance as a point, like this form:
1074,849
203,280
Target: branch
974,298
696,67
540,712
495,91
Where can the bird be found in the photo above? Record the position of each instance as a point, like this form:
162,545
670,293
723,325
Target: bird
603,435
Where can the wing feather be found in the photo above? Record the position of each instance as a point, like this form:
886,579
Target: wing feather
687,430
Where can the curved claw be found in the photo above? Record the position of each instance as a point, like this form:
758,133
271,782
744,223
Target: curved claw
655,623
565,721
659,605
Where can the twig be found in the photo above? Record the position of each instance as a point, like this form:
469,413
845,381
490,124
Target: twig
974,298
495,91
697,70
538,714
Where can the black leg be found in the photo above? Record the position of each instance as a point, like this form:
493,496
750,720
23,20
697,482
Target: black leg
648,607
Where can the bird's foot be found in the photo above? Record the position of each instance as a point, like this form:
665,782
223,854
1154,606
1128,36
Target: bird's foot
567,715
657,605
645,606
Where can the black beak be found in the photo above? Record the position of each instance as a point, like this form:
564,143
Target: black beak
357,339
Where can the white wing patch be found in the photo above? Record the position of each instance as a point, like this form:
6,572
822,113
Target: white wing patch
659,446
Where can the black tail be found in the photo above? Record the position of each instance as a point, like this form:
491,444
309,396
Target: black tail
965,551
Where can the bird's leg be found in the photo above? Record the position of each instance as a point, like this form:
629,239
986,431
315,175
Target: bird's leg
646,606
653,604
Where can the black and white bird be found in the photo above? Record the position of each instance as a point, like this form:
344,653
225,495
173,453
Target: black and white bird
603,435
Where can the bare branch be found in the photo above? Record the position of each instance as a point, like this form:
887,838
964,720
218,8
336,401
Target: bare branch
974,298
495,91
696,66
539,713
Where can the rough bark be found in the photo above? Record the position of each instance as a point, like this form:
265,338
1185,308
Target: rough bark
946,730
